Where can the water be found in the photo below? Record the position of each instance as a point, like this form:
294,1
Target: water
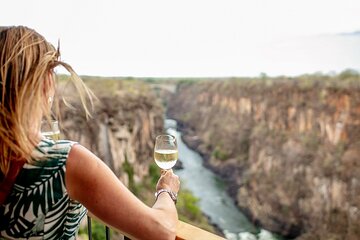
213,199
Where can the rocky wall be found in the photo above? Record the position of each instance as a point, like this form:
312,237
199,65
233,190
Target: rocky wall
290,153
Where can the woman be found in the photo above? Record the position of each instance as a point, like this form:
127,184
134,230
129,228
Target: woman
47,186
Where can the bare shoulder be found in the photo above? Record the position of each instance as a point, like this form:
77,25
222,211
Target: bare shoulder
81,157
79,153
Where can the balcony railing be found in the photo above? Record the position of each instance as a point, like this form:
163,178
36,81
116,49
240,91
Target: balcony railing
184,231
187,231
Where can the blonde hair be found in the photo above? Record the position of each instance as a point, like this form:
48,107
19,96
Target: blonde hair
27,62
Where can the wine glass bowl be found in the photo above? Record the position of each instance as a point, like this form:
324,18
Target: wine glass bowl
50,129
165,151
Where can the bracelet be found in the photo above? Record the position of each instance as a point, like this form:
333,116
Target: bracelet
171,194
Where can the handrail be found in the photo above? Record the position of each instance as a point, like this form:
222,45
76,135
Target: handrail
184,231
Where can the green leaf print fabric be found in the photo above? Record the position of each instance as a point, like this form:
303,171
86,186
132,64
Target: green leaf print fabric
38,206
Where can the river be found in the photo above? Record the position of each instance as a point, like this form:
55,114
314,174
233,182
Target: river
213,198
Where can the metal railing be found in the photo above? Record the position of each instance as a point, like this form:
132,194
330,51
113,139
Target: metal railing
107,230
89,228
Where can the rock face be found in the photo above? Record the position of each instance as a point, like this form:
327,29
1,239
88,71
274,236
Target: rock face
290,152
125,122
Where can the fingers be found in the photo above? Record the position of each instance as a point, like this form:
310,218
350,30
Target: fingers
163,171
169,179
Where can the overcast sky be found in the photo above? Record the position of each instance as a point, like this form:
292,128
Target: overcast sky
196,37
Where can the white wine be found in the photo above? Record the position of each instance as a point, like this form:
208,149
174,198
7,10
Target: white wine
165,151
165,158
52,135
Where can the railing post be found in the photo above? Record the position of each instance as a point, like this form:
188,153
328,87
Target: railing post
89,227
107,232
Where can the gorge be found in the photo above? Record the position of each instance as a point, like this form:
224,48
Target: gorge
288,149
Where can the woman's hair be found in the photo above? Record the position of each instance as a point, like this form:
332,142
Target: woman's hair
27,82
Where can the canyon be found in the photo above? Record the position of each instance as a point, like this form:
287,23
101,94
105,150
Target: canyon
288,149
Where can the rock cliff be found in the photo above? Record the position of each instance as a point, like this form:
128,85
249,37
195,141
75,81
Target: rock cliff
126,119
289,150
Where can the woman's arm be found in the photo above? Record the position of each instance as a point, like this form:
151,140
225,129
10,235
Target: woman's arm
92,183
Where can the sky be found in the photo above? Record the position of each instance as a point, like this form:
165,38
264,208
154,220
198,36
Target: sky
196,38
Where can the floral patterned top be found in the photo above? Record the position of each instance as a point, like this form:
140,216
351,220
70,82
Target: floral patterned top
39,206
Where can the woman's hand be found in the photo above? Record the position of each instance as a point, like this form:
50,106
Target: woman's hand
168,180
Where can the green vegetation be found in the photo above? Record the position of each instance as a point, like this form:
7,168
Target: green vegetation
154,174
129,170
188,208
219,154
97,231
348,78
190,212
345,78
110,86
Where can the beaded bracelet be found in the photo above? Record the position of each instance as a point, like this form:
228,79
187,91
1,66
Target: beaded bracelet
171,194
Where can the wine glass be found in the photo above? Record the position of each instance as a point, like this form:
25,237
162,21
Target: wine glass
50,129
165,151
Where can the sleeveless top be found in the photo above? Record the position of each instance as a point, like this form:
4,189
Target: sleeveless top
38,206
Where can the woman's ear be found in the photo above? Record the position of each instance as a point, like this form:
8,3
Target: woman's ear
49,90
